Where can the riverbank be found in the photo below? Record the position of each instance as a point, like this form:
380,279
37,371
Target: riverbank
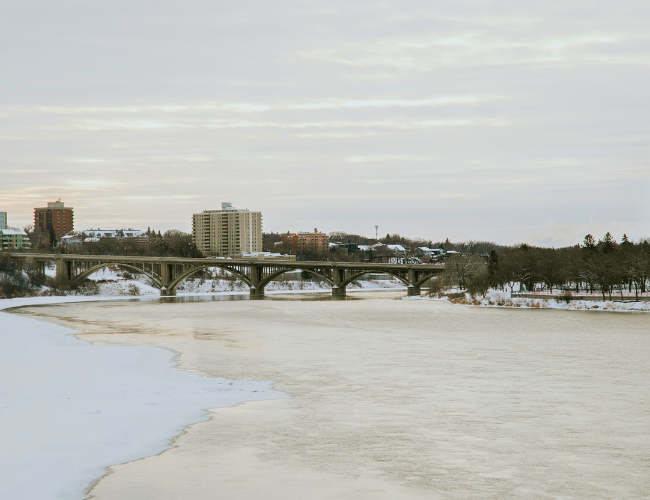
70,409
391,399
504,299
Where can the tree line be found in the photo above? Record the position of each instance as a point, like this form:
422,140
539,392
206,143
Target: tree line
272,242
602,266
172,243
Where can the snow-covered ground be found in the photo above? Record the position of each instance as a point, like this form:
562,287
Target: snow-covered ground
504,299
69,409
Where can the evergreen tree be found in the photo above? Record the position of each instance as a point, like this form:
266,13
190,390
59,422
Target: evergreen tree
493,267
607,244
52,237
589,242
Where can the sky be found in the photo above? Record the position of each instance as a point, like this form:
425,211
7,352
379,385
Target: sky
505,121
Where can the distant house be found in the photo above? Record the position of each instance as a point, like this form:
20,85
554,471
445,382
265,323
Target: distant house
397,250
434,253
91,235
71,239
264,255
14,239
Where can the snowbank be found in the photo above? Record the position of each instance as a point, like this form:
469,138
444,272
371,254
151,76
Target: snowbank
69,409
504,299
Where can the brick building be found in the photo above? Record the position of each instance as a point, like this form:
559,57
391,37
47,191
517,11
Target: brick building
55,216
304,241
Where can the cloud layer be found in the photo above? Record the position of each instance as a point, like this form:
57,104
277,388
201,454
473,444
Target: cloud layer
506,121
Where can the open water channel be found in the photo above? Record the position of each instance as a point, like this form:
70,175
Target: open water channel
393,399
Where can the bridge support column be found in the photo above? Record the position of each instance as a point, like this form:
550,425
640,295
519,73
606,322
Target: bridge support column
39,268
166,276
257,291
63,270
338,276
412,290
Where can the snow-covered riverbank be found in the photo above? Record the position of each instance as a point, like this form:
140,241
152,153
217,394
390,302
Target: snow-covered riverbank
69,409
504,299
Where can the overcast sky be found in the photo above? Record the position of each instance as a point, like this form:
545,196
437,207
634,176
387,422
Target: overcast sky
508,121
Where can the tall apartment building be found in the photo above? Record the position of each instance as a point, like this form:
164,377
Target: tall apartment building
307,241
228,231
3,220
55,216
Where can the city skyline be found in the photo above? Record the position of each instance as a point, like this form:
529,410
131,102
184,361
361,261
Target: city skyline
463,121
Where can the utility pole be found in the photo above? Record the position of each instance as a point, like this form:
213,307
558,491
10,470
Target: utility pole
376,232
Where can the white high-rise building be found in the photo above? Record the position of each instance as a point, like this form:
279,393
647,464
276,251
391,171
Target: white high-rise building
228,231
3,220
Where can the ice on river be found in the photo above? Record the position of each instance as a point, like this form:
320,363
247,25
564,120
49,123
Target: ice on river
69,409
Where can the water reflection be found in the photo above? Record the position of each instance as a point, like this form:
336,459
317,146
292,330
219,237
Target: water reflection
279,297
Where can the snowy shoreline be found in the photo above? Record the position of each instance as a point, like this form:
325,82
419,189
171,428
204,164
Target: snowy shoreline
70,409
505,300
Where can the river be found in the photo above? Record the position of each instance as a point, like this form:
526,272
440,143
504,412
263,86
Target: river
393,398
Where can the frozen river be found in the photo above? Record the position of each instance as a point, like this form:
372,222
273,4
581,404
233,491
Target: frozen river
393,399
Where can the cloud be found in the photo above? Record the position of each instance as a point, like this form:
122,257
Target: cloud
470,119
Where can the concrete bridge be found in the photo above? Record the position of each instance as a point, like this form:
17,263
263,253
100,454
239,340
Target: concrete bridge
166,273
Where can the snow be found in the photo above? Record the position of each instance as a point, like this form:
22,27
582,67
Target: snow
69,409
504,299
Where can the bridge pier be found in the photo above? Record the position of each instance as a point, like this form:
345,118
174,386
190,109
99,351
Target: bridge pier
338,276
412,290
256,291
63,269
166,276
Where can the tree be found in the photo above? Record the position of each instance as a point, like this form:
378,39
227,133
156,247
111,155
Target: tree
551,268
493,269
460,269
607,245
589,242
52,237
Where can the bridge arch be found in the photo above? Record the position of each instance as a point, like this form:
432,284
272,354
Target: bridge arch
173,284
76,280
350,279
426,278
267,279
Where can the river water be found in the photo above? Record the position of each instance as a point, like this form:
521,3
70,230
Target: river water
393,398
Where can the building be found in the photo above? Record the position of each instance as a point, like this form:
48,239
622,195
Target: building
55,217
433,253
305,241
13,239
228,231
3,220
265,256
71,240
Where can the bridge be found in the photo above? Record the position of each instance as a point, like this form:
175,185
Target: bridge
166,273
